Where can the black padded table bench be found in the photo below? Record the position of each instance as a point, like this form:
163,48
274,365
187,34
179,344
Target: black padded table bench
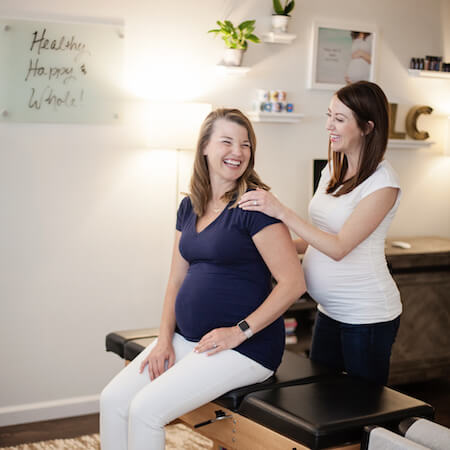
304,405
116,341
329,412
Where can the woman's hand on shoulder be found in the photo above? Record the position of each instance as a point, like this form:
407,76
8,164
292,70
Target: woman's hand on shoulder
161,358
220,339
263,201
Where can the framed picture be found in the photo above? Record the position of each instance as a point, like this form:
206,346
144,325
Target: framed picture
341,54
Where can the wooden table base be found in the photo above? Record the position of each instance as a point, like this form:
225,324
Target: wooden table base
240,433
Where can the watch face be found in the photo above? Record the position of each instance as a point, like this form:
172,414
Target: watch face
244,325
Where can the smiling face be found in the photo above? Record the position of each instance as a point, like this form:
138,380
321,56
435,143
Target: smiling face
228,152
344,132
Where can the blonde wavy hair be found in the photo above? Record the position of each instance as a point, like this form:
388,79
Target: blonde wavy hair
200,186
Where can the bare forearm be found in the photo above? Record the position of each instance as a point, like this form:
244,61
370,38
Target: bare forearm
327,243
178,270
168,321
365,218
279,300
366,57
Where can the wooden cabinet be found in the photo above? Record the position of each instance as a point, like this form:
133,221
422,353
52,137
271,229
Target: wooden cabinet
422,274
422,347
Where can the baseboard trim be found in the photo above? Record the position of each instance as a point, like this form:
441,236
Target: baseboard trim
55,409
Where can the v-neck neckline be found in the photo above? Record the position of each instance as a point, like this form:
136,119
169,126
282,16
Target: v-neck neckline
197,233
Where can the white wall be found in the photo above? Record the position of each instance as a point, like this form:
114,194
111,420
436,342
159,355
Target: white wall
87,211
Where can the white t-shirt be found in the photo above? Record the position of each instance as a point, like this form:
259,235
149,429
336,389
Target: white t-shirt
358,288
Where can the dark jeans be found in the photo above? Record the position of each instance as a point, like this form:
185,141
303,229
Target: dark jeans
360,350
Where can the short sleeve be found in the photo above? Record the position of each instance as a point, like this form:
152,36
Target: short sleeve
183,211
255,221
324,177
384,176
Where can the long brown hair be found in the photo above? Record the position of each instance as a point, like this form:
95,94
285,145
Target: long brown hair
368,103
200,187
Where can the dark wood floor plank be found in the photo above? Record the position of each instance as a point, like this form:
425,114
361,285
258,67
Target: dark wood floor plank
49,429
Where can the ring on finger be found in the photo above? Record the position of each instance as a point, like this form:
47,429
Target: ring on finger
215,345
255,203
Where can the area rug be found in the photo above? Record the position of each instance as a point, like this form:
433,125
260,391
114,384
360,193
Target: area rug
178,437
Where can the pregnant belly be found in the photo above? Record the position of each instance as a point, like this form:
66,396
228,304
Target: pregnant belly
358,69
204,303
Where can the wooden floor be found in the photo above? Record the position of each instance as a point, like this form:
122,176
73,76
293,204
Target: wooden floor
434,392
50,429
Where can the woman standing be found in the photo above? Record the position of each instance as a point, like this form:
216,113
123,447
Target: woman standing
221,327
345,266
359,66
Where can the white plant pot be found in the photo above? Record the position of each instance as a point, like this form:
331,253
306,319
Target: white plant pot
280,23
233,57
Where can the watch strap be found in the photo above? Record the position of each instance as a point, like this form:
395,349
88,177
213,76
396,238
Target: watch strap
245,328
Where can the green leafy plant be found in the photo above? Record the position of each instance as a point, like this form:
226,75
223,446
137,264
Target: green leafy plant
281,10
236,37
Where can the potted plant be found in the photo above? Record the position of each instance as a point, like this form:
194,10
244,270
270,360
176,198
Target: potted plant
280,19
235,39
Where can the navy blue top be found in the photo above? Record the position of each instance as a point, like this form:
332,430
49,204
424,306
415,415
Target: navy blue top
227,280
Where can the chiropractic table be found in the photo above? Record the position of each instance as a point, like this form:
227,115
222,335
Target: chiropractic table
304,405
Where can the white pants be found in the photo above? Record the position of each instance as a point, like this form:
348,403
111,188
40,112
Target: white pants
134,409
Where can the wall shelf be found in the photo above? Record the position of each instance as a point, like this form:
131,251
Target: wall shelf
278,38
282,117
428,74
232,70
408,143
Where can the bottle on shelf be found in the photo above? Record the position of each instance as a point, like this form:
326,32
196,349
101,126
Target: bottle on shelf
429,63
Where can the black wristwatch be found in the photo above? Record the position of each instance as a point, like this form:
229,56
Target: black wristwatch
245,328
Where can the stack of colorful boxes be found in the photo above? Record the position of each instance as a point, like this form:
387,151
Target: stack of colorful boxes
290,324
272,101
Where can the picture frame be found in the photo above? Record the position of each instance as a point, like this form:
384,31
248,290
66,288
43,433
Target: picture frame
341,54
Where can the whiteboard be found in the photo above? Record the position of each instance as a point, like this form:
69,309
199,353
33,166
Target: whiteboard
60,72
